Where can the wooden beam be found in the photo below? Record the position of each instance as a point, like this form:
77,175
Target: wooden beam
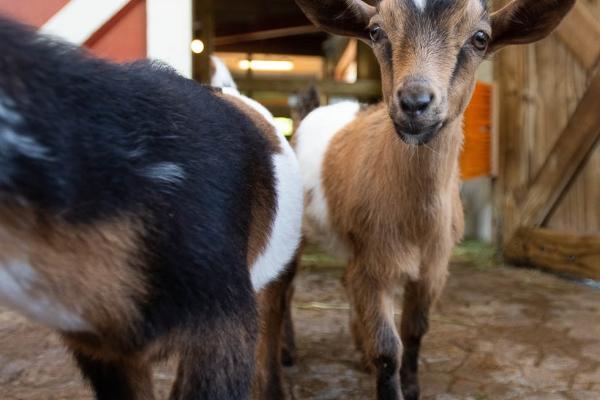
580,31
347,58
264,35
361,88
571,254
565,159
510,67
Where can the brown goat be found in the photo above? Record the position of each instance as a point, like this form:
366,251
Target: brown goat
372,193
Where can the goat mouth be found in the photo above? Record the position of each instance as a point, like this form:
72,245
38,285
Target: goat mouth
413,136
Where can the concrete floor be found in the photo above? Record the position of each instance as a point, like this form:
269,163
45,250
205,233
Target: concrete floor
498,333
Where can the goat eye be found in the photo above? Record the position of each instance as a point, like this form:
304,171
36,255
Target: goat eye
480,40
376,33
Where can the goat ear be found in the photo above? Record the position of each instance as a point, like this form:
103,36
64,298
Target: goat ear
526,21
341,17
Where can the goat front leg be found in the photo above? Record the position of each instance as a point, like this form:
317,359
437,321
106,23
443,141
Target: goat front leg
371,295
117,380
419,296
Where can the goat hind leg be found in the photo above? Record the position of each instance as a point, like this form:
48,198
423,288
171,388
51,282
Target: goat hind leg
217,364
274,309
288,345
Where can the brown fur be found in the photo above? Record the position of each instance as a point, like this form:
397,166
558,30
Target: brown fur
367,215
275,340
200,355
92,271
264,206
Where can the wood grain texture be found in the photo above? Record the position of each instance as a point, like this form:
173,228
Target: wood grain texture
565,160
540,90
571,254
581,33
512,160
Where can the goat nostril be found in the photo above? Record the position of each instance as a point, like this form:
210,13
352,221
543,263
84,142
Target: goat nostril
415,103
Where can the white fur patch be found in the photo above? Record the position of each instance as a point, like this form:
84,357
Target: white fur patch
21,290
21,144
7,115
313,138
12,141
166,172
420,4
286,230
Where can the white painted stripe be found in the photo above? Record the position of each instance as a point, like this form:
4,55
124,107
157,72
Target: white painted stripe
169,30
78,20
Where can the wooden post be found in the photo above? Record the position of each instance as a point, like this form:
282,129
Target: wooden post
367,67
204,29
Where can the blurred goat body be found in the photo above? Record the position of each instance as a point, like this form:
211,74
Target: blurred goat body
139,212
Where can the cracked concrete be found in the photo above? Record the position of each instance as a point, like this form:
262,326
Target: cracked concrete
498,333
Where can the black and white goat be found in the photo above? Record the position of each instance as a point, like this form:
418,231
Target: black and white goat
139,213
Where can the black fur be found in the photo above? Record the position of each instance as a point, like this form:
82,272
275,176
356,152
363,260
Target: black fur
107,138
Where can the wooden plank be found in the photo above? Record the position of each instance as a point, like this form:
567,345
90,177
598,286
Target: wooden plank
361,88
512,89
346,59
571,254
579,209
580,31
565,160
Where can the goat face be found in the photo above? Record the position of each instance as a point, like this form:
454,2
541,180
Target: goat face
429,50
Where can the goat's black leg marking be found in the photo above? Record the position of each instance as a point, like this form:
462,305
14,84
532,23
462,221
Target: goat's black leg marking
415,322
274,305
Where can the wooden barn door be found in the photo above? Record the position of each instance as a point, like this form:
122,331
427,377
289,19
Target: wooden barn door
548,188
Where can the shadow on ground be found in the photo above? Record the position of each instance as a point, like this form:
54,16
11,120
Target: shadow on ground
498,333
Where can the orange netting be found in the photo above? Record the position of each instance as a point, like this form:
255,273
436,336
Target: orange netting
475,159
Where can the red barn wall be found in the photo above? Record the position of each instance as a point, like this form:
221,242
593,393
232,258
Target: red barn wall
123,38
31,12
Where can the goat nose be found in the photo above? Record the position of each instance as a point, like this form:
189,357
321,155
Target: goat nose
415,100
